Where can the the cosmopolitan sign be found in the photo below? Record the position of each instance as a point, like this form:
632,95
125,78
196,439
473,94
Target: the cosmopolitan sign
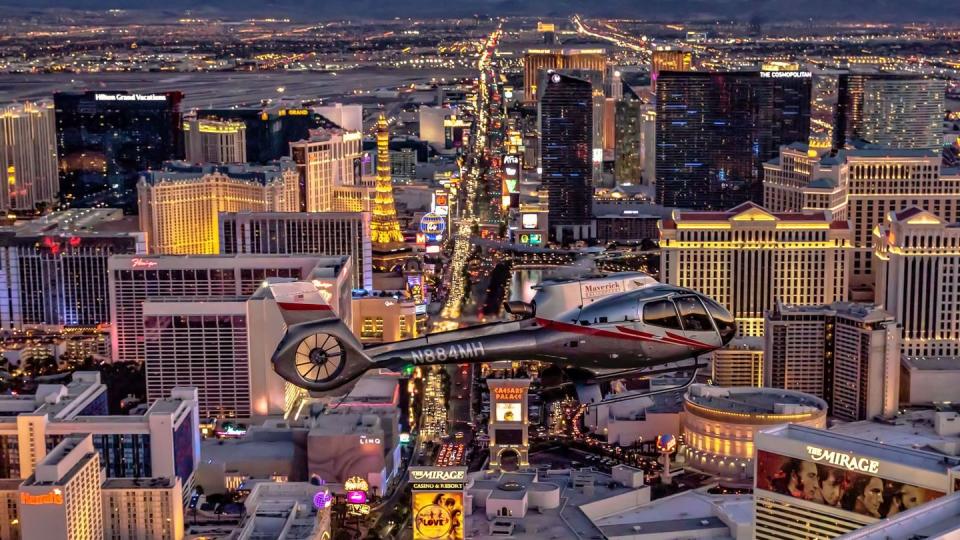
130,97
844,461
785,74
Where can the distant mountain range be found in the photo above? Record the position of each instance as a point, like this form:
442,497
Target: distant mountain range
758,10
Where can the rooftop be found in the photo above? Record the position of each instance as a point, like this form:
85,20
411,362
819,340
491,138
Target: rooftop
931,363
871,439
686,511
750,400
564,522
82,222
137,483
183,171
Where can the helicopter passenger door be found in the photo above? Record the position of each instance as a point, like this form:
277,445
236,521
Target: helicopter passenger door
659,318
697,324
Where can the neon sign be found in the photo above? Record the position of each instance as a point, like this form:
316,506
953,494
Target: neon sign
53,497
355,483
130,97
508,393
323,499
438,475
137,262
846,461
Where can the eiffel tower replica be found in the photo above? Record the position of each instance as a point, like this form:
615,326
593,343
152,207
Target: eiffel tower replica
389,249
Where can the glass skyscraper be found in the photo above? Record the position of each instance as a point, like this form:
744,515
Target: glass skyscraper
899,111
567,129
715,130
269,131
105,139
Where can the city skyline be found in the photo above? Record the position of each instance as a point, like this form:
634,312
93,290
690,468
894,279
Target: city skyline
331,271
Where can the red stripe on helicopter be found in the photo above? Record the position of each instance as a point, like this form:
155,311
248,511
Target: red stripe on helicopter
625,333
670,338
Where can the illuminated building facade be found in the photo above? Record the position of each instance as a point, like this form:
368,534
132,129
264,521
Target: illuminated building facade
28,157
302,233
889,111
861,185
740,363
328,159
846,354
106,139
215,141
719,424
813,483
134,280
53,270
538,61
403,165
509,423
163,442
40,458
749,258
715,130
669,60
142,508
918,262
61,499
270,130
569,136
187,339
386,319
180,204
385,233
628,138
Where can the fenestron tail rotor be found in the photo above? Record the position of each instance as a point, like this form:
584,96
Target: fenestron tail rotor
320,358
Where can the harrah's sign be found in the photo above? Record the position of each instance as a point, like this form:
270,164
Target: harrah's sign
846,461
53,497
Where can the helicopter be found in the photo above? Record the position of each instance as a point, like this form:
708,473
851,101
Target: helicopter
605,326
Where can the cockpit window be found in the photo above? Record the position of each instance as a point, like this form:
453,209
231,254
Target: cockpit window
694,316
725,322
661,313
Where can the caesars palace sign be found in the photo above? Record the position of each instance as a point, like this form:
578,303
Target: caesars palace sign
846,461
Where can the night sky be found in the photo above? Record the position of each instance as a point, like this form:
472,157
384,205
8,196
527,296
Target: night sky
757,10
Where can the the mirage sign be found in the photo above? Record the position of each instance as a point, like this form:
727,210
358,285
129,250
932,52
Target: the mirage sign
438,478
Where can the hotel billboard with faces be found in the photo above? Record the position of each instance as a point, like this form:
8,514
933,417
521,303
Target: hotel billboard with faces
438,502
810,481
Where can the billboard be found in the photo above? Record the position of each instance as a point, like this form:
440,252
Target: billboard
437,516
509,412
529,221
839,480
531,239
